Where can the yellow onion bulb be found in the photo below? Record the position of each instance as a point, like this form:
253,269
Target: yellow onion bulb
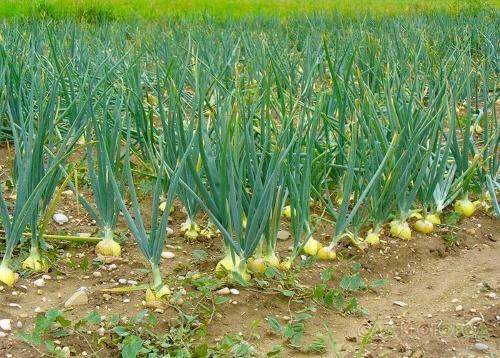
36,263
465,207
156,299
433,218
191,233
207,232
257,265
372,239
424,226
401,230
108,247
7,275
327,253
287,211
286,265
226,264
163,206
312,247
272,260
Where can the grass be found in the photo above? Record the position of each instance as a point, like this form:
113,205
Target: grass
160,9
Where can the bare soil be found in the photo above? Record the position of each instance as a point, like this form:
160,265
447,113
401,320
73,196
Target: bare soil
440,286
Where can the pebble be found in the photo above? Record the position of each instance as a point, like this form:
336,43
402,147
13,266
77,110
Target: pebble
429,315
6,324
38,309
106,296
60,219
68,193
132,282
66,351
400,303
126,300
46,277
455,300
224,291
481,347
19,324
473,321
169,231
167,255
492,295
459,308
122,281
39,283
112,267
78,298
234,291
472,310
97,274
283,235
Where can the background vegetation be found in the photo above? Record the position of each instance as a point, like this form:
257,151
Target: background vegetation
157,9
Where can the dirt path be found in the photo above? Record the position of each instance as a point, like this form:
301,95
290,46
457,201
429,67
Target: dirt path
429,276
442,296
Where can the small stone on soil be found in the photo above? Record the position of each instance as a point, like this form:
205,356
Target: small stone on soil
234,291
481,347
39,283
5,324
283,235
224,291
78,298
167,255
400,303
60,219
459,308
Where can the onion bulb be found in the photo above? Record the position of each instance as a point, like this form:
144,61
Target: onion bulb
190,229
372,238
465,207
207,232
108,247
227,265
191,233
272,260
286,265
287,211
424,226
401,230
257,265
163,206
433,218
326,253
312,247
35,262
154,298
7,276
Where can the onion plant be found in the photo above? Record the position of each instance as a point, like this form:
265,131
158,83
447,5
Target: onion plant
38,160
107,208
151,242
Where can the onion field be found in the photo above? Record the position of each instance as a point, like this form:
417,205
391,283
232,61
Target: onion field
267,186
